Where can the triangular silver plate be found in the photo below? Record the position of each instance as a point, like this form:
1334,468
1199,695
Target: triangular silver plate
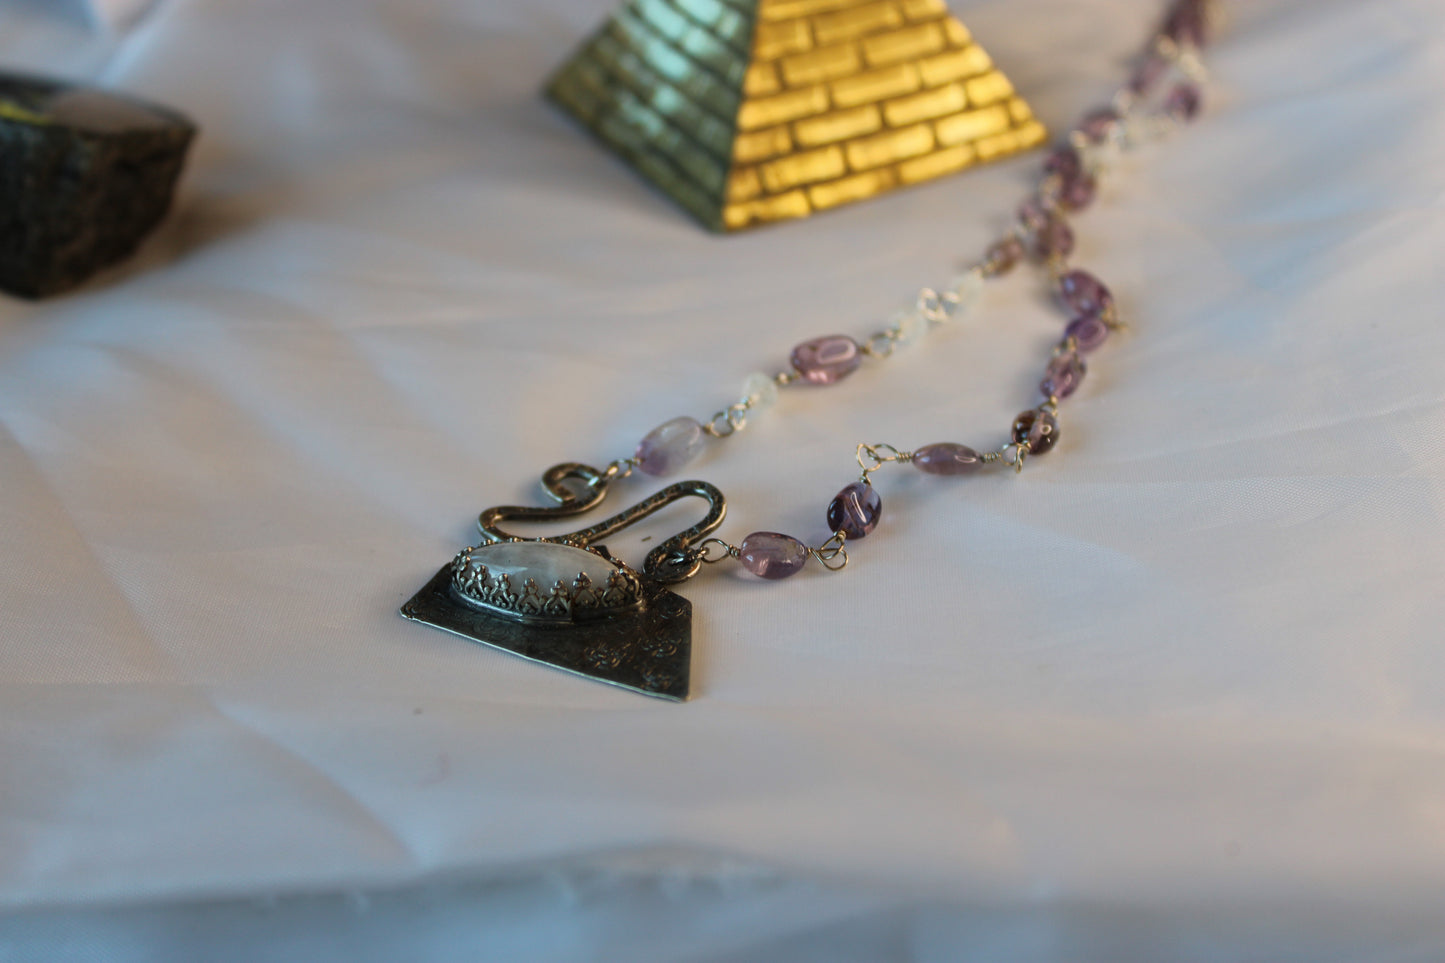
647,650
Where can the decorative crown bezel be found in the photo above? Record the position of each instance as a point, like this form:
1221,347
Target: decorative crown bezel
566,601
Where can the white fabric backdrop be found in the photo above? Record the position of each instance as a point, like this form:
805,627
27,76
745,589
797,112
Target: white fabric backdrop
1178,692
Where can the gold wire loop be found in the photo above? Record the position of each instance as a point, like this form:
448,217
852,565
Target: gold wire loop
831,554
881,345
702,550
719,426
616,471
730,420
1012,454
873,457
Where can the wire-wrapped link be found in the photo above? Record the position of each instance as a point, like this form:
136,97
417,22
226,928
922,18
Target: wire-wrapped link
829,553
873,457
729,421
1013,454
701,551
882,344
617,470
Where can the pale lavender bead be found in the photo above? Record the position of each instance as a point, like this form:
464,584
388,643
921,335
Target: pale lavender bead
855,510
670,446
1088,332
947,458
1099,124
772,555
1082,293
1063,375
823,361
1183,102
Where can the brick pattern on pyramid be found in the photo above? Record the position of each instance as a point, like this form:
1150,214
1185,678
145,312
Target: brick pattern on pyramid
750,111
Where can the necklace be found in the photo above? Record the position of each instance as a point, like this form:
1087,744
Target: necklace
563,600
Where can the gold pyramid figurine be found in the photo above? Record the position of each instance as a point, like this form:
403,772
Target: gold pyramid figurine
750,111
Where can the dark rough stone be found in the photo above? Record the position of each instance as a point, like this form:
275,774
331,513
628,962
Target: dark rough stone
85,175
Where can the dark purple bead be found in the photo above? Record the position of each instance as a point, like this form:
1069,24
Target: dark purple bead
1183,102
1038,429
855,510
946,458
1088,332
1054,239
1099,124
1076,184
1082,293
1003,255
1147,75
823,361
1065,162
1034,214
1186,24
1078,192
772,555
1063,375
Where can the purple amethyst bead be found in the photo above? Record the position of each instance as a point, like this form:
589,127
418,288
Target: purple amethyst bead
1088,332
1076,184
1003,255
1063,375
1077,193
772,555
1099,124
1082,293
1186,24
1183,102
1065,162
1054,239
1147,75
670,446
1038,429
855,510
946,458
823,361
1034,214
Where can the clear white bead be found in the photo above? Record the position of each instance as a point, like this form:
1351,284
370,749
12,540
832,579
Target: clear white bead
760,391
1099,158
968,287
930,305
1141,129
909,327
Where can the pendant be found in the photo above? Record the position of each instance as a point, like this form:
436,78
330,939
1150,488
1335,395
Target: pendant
565,601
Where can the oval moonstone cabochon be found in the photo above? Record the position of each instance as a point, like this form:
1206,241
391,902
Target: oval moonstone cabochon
543,580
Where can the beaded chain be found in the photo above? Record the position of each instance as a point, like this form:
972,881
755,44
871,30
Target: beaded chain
1162,93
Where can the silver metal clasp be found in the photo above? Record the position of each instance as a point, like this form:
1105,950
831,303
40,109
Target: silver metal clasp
675,560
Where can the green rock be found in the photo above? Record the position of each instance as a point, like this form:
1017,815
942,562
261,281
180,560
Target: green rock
85,175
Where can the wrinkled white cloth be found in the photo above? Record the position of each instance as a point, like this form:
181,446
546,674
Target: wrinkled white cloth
117,13
1176,692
